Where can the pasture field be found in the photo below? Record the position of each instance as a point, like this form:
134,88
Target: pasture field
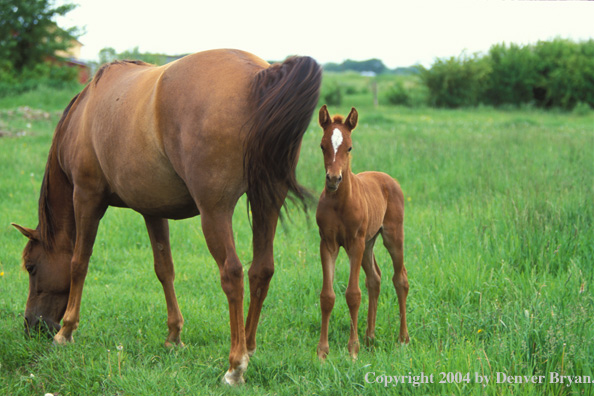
499,250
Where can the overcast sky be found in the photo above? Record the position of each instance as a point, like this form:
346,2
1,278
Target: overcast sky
401,33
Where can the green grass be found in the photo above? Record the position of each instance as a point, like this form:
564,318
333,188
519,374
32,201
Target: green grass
499,231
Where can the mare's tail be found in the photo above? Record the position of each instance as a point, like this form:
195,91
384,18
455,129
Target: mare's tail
285,97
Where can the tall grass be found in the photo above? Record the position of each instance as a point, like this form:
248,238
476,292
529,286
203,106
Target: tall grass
498,249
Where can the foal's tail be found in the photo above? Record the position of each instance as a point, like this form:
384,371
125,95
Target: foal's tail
285,96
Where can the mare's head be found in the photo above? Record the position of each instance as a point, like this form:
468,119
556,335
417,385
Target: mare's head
49,282
336,145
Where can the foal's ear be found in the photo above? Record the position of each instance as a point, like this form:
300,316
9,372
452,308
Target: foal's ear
29,233
352,118
324,118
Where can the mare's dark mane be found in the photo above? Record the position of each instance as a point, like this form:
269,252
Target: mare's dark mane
46,215
106,66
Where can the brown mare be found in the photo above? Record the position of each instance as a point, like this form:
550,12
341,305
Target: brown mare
353,210
172,142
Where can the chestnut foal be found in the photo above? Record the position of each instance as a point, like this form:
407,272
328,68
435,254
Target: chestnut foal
353,210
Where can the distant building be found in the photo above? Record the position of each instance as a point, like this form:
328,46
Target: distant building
71,58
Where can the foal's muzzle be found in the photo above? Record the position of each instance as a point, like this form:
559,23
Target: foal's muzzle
333,181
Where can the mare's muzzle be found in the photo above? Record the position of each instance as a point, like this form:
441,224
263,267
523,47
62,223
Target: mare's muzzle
42,326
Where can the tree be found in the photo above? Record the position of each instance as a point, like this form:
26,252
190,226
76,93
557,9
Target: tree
29,35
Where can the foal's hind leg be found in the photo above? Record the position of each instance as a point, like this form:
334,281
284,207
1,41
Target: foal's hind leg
158,230
373,277
393,236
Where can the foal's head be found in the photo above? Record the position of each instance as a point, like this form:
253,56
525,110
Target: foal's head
336,145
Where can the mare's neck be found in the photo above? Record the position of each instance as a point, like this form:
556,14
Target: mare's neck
56,210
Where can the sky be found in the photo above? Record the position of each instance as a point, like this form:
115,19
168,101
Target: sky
400,33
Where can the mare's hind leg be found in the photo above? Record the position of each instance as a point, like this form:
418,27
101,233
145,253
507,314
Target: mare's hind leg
393,236
158,230
89,208
261,270
373,277
217,229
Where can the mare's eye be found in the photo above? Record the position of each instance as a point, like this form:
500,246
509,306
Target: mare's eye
350,148
322,147
30,268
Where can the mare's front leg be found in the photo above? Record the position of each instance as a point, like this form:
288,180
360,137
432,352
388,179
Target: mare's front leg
328,254
158,230
261,270
353,292
89,208
217,229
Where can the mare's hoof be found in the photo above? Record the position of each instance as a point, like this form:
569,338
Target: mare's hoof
61,340
235,376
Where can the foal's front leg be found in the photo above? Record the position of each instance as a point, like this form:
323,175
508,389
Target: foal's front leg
353,292
328,254
158,230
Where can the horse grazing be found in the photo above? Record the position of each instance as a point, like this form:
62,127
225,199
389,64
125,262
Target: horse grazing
353,210
172,142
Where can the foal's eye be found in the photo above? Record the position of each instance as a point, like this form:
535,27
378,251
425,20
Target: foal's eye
322,147
350,148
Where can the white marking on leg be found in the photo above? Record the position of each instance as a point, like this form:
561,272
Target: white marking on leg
336,141
235,376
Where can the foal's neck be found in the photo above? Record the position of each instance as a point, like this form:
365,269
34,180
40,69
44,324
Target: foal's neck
345,189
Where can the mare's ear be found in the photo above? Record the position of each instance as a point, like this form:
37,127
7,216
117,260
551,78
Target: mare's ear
352,118
29,233
324,118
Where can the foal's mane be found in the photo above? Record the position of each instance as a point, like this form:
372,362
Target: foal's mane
338,119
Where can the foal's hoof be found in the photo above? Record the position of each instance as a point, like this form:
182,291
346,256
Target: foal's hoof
354,349
404,339
323,353
173,344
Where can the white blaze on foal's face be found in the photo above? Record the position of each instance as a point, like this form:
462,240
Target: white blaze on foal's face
336,140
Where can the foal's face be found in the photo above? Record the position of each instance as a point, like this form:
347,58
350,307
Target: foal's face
336,145
49,283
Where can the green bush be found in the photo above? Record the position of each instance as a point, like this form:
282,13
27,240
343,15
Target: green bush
398,95
557,73
513,73
30,78
332,94
456,82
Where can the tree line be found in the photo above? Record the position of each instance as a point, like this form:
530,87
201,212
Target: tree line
548,74
557,73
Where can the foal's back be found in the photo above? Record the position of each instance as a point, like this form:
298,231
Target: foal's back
382,195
